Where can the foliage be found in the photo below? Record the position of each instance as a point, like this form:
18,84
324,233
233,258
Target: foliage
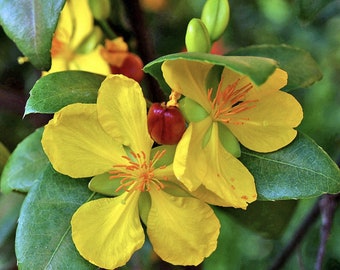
288,181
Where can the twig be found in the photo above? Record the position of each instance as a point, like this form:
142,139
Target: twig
327,205
144,45
297,237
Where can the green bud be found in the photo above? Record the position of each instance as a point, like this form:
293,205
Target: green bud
215,16
91,41
100,9
197,37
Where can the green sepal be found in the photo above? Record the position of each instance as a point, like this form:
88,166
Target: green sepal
168,157
258,69
214,78
91,41
229,141
144,205
104,185
191,110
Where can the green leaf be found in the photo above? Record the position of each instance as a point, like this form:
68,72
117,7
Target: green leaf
44,224
56,90
300,170
31,24
4,154
301,67
25,165
269,219
248,65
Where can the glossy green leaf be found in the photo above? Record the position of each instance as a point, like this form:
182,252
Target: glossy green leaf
31,24
301,67
44,224
56,90
300,170
4,154
269,219
248,65
25,165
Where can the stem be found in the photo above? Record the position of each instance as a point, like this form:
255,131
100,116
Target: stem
297,237
327,204
144,45
107,29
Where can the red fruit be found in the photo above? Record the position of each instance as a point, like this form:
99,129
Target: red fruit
132,67
166,124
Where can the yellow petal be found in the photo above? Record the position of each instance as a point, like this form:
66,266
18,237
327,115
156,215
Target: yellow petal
188,78
190,164
75,22
122,112
226,177
76,144
269,125
182,231
106,232
210,172
91,62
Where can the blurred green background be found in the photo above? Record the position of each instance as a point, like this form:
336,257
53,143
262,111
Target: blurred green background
310,25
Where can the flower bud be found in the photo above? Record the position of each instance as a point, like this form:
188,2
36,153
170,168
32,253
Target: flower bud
100,9
166,124
91,41
197,37
215,16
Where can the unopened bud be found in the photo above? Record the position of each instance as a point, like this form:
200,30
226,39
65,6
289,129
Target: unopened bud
100,9
197,37
215,15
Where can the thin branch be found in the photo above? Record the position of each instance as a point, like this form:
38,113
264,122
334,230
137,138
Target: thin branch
297,237
328,204
144,45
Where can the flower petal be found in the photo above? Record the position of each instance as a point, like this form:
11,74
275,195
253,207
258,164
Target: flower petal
209,171
230,181
188,78
91,62
76,144
122,112
82,21
106,232
190,165
269,125
182,231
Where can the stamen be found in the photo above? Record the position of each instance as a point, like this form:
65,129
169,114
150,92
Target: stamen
229,102
138,173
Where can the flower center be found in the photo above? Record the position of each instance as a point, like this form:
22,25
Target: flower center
229,102
138,173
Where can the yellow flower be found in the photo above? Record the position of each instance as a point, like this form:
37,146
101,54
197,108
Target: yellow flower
110,139
74,27
261,118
